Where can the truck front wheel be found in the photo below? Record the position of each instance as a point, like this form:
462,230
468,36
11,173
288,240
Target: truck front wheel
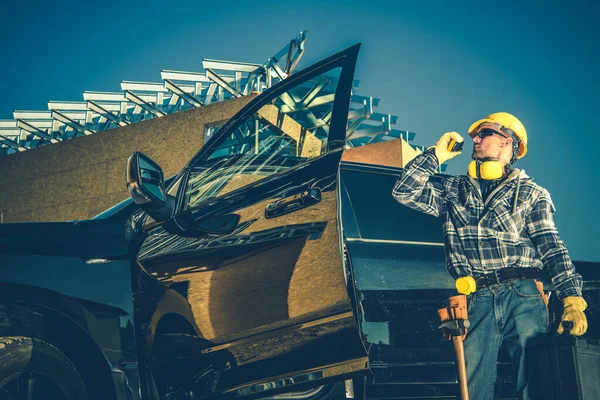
31,369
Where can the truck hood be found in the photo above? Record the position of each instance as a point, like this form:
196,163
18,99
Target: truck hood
104,238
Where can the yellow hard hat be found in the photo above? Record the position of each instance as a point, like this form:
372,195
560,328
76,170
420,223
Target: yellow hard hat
505,120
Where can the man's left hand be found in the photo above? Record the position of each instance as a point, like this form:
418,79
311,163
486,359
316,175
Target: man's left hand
573,308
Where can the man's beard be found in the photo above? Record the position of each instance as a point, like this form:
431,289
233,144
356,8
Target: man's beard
477,154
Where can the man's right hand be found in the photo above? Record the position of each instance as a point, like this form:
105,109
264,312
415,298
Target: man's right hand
441,147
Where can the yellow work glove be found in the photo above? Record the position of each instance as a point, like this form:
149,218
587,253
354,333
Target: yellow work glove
573,308
441,147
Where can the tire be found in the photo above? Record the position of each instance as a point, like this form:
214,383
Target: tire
31,369
175,360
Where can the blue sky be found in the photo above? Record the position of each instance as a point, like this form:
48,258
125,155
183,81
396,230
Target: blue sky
437,65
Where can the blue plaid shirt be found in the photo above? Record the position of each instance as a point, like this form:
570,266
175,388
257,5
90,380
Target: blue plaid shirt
512,228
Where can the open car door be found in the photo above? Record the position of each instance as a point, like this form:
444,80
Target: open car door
261,262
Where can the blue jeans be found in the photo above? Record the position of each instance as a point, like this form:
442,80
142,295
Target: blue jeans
512,314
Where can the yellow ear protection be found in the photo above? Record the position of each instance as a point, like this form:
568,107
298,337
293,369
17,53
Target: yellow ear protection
488,169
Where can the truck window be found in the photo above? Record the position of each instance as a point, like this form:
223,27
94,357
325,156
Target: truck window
286,131
392,246
378,215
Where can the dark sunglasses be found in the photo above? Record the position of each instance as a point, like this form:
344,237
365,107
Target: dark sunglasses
488,132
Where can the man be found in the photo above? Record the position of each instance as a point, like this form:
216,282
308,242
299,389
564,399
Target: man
498,234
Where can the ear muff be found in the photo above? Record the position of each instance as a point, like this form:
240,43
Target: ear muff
489,170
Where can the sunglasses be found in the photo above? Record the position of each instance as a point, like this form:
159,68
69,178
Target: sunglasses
488,132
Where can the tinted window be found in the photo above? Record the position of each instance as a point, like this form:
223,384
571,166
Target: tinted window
392,246
287,130
377,215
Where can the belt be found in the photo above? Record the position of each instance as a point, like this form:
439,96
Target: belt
507,274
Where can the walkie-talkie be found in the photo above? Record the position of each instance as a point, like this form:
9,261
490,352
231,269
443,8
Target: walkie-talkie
455,146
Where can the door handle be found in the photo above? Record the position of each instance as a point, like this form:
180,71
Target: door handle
293,203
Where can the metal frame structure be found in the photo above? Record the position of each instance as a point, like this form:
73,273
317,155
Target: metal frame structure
178,91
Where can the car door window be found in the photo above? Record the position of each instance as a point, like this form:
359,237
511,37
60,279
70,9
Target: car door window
284,132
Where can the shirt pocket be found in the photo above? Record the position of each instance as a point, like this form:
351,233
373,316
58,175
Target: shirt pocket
505,220
458,210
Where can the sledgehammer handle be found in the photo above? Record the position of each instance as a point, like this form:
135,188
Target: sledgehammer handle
462,369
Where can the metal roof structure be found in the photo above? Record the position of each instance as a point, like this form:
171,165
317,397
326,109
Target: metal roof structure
178,91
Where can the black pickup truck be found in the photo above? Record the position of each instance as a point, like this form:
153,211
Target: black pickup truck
266,268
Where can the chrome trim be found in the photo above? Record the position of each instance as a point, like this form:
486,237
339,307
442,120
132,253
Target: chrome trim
96,261
298,377
394,242
304,394
349,388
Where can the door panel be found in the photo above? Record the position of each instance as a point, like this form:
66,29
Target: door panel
269,270
272,294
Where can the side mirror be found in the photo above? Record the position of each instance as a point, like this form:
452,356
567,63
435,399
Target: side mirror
146,185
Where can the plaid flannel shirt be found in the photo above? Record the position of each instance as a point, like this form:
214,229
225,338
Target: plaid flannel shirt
512,228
